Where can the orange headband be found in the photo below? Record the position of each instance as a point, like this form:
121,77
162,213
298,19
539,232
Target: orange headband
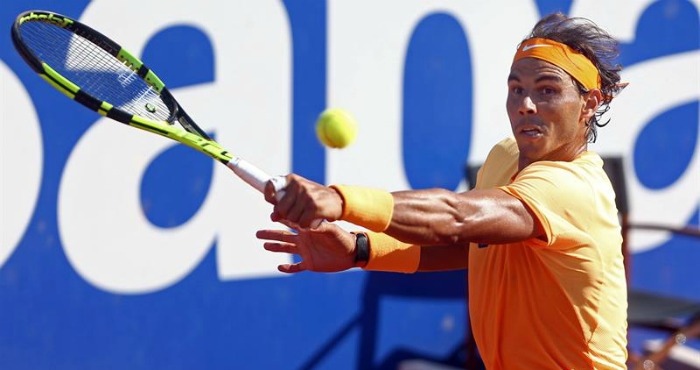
562,56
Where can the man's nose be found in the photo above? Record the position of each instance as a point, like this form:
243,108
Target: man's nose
527,106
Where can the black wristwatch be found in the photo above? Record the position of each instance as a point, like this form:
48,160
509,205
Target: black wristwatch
361,249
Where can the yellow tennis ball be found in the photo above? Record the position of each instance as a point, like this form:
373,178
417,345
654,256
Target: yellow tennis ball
336,128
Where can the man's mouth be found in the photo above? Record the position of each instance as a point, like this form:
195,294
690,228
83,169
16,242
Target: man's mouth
531,131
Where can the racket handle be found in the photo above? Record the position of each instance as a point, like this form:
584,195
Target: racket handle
249,173
280,182
258,178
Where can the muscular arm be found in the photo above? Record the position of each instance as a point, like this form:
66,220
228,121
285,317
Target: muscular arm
441,217
421,217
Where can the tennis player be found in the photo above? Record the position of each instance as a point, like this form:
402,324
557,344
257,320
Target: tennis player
539,234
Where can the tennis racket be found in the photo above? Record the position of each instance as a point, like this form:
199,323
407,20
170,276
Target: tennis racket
98,73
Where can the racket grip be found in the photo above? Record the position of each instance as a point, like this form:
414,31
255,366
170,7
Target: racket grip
249,173
258,178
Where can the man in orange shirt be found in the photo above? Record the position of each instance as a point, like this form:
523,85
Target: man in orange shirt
539,234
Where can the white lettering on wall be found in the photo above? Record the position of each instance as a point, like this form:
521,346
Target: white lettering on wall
21,153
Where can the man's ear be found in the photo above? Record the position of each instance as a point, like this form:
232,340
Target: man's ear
592,101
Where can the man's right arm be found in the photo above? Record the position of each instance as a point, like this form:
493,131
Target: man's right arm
441,217
424,217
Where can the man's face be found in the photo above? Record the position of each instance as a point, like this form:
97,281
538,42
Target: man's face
546,112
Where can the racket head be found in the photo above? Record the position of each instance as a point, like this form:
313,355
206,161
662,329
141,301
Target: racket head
98,73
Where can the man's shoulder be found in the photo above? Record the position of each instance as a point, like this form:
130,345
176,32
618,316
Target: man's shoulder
583,175
504,149
500,165
585,164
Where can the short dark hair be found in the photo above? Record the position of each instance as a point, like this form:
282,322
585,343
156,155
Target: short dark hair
597,45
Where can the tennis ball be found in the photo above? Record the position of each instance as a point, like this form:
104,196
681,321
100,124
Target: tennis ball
336,128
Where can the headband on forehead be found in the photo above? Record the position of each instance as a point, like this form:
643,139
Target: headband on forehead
562,56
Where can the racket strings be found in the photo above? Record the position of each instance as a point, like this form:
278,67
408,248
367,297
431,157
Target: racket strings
94,70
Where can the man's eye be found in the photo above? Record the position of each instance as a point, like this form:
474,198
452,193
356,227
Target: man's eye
517,90
548,91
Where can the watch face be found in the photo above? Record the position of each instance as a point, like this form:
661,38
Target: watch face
361,248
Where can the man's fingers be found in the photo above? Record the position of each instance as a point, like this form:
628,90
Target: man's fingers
289,224
291,268
279,235
310,221
283,206
270,193
281,247
295,213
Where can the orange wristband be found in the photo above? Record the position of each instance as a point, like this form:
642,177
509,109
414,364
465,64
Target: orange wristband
389,254
367,207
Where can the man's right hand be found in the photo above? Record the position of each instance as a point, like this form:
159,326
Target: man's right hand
304,201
